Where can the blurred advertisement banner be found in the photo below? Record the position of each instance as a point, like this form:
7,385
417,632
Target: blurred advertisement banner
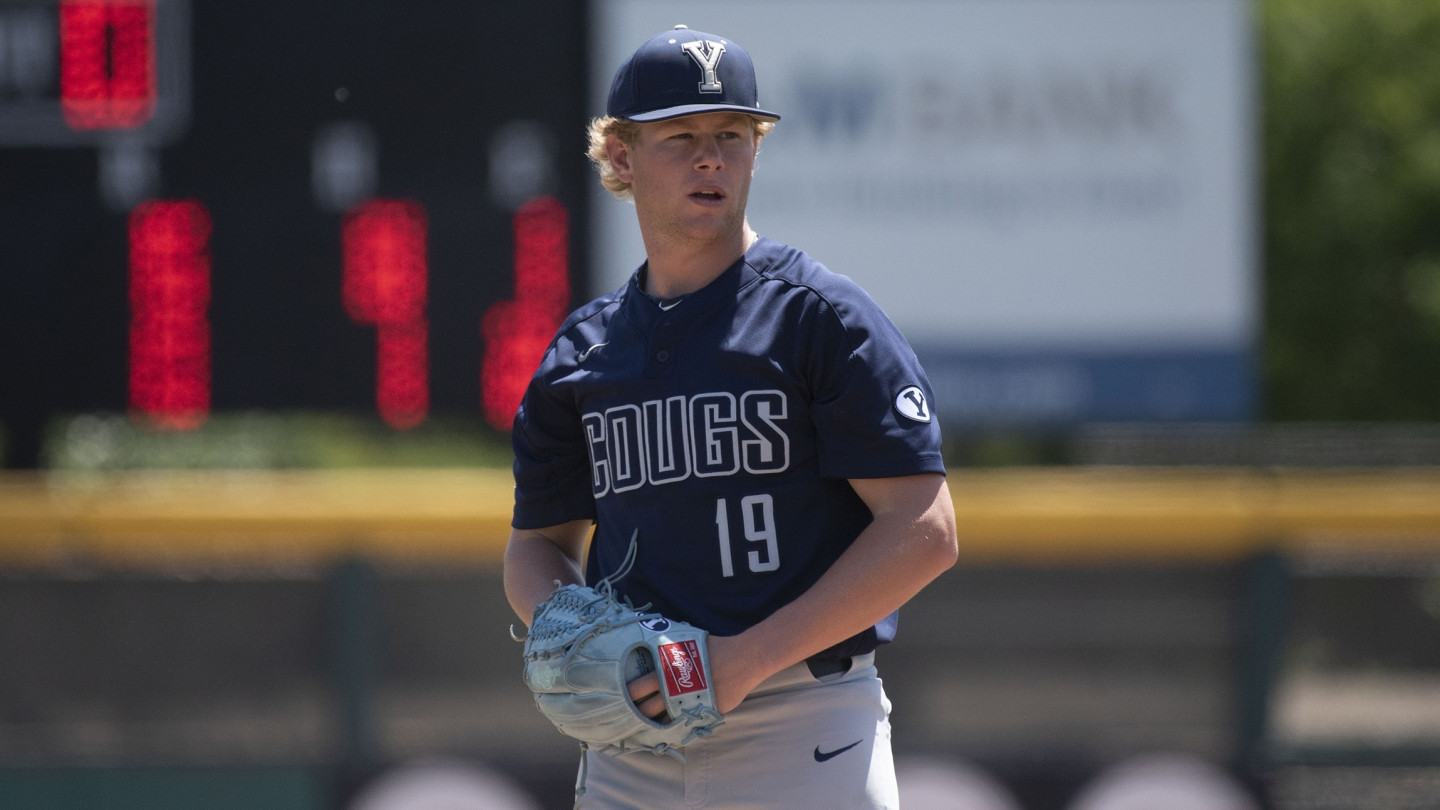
1054,199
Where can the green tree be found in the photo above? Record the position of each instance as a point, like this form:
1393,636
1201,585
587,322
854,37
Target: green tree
1351,102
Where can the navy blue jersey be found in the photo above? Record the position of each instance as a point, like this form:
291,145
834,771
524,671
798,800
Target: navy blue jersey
724,428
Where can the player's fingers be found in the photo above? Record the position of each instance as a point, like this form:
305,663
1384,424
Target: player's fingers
643,687
645,693
653,707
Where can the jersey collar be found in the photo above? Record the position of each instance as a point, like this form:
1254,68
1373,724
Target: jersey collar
644,309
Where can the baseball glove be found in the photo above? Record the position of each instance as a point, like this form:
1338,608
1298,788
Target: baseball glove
585,645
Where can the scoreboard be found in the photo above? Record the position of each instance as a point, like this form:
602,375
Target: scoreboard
368,207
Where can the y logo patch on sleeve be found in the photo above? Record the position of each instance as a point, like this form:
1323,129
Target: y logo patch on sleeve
912,405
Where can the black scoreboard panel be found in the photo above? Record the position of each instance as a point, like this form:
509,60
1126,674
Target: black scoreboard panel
275,123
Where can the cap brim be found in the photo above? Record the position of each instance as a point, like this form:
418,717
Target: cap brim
698,109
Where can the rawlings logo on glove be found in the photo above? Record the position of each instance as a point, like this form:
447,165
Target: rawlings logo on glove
585,645
681,673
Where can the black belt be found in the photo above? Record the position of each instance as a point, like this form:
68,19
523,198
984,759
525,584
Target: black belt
821,667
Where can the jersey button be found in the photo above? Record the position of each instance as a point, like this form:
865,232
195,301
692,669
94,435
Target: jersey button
663,356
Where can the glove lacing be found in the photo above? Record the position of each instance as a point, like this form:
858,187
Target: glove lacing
588,610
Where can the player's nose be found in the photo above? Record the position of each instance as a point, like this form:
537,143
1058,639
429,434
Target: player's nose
708,154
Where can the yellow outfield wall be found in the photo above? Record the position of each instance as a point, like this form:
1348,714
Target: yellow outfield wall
461,516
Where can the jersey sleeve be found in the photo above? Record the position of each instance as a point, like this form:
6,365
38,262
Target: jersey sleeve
552,466
872,399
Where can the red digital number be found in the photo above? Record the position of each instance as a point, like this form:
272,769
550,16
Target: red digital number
107,63
516,332
169,324
385,284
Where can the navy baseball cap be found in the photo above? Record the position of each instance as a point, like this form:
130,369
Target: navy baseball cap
684,72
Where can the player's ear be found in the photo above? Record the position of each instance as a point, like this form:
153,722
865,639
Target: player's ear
619,155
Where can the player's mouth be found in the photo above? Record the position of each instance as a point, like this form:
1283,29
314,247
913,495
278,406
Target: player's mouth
707,195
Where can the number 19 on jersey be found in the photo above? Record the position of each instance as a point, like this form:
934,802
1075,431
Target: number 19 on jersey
757,514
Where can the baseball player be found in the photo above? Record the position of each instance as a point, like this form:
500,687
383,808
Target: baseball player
763,433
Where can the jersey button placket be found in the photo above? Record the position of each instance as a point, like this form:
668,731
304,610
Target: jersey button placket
660,363
661,359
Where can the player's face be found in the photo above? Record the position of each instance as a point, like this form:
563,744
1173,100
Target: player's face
691,175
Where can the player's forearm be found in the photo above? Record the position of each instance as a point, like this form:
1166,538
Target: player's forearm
907,546
533,564
891,561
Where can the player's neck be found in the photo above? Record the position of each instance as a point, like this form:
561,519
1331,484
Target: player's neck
673,270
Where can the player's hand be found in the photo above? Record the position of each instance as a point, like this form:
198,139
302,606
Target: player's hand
734,679
735,671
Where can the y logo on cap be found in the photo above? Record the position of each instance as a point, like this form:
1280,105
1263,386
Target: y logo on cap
707,55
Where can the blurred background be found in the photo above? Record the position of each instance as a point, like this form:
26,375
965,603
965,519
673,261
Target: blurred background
273,276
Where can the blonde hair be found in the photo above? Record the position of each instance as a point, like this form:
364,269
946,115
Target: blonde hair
628,132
